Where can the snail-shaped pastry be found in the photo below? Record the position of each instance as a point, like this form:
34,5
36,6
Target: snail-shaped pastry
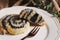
14,25
32,16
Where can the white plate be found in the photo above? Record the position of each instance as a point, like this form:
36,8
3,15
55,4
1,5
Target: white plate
49,32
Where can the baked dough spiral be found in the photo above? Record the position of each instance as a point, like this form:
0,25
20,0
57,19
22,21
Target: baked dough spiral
32,16
14,25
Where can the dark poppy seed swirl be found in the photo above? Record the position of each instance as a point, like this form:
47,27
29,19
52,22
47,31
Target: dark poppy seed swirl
3,20
16,22
13,24
32,16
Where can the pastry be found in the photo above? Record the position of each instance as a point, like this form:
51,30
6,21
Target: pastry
32,16
14,25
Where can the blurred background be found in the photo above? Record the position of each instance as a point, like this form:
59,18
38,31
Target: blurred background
48,5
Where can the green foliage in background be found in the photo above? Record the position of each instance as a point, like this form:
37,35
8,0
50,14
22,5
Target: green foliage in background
46,5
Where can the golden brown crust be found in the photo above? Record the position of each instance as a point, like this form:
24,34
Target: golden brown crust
35,24
2,31
9,28
33,17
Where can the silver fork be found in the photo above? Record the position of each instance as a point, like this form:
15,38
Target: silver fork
32,33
